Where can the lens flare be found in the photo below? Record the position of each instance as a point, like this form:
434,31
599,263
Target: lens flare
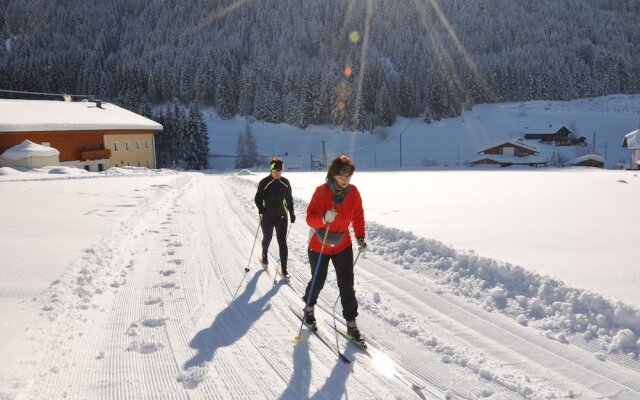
383,364
354,37
348,71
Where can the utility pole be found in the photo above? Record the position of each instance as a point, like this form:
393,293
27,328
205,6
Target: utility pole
324,154
401,150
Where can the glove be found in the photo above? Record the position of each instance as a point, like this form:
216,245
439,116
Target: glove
261,212
329,216
293,218
362,245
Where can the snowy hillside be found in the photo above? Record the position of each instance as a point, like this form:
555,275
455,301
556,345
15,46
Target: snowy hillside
134,287
450,143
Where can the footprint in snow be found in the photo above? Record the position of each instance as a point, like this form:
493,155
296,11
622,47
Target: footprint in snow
144,347
168,272
152,301
153,322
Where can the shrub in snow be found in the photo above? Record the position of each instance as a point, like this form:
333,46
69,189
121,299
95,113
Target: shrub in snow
522,320
624,340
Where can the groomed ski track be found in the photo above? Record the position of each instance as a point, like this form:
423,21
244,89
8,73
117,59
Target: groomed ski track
161,308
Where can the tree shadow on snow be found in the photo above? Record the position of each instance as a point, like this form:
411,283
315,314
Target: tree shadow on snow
230,324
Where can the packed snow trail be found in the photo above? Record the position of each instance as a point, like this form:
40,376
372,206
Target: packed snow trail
161,308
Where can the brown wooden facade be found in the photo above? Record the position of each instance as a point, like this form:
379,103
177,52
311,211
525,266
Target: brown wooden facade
519,151
71,145
82,145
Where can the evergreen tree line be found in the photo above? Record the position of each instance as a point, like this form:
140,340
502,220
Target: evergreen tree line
296,61
184,141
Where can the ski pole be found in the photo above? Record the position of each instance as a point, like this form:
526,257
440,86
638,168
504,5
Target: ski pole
254,244
313,283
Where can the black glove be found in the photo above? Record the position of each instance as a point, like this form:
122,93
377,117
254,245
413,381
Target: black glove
362,245
293,218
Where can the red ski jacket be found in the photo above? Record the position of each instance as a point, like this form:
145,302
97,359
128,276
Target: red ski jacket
349,212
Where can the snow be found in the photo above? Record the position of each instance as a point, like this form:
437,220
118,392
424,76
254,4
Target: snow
47,115
633,139
510,283
28,149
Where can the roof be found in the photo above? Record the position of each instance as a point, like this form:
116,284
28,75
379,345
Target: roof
49,115
514,142
632,140
28,149
512,160
586,157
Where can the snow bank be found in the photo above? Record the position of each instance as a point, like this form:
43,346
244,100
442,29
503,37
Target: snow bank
530,298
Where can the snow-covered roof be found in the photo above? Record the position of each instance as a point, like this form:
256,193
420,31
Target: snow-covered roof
48,115
29,149
586,157
514,142
632,140
512,160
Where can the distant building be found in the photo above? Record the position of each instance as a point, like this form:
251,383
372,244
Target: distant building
511,152
632,141
589,160
90,135
562,137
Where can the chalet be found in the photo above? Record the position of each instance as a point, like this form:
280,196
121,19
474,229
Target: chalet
511,152
90,135
632,142
589,160
562,137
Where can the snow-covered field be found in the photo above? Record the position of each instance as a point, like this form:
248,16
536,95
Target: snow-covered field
134,287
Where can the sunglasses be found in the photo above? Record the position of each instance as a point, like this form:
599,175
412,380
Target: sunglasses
344,178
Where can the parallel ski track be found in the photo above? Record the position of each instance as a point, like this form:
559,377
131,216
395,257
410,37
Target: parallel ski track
299,269
495,332
326,357
488,333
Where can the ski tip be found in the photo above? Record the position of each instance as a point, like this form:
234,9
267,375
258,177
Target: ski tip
298,338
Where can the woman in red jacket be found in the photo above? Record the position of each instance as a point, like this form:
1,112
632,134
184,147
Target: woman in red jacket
334,206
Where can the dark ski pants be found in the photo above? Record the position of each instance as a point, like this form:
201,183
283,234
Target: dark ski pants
343,264
280,224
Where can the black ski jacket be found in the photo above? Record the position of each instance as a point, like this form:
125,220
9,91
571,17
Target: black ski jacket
274,197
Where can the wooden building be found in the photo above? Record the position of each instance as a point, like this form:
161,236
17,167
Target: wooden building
562,137
632,142
90,135
511,152
589,160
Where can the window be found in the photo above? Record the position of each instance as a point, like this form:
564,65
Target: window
126,145
137,145
87,167
139,165
146,144
116,146
100,167
47,144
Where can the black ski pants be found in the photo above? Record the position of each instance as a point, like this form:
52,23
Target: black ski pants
280,224
343,264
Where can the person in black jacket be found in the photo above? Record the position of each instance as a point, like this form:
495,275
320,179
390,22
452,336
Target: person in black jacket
275,200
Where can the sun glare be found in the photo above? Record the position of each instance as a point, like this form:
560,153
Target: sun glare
383,364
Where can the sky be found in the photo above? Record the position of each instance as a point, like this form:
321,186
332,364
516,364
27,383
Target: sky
131,283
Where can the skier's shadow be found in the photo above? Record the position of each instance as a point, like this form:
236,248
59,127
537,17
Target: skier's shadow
300,382
230,324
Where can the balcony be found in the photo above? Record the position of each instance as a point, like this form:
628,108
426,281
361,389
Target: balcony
95,154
